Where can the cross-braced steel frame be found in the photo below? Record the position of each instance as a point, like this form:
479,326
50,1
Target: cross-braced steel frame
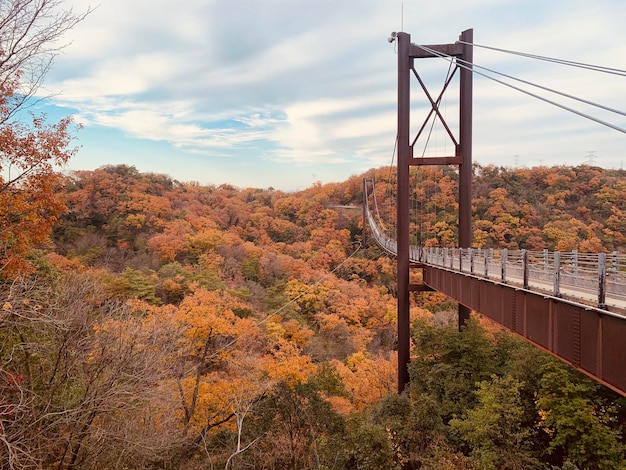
462,51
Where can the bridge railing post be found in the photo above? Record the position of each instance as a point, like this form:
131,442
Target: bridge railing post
525,268
504,254
470,252
487,254
602,280
557,274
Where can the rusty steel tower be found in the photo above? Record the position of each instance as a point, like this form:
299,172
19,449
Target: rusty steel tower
462,53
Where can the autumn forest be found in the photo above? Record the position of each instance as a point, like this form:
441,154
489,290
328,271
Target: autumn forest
149,323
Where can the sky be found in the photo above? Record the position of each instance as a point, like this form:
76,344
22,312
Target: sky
289,93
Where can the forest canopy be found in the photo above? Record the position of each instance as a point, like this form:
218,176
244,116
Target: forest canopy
151,323
167,324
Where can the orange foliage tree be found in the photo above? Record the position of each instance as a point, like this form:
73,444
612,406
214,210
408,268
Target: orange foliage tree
30,202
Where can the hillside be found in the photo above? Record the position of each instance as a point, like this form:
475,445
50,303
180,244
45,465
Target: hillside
168,324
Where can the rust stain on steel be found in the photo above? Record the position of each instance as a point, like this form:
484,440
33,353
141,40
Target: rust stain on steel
587,338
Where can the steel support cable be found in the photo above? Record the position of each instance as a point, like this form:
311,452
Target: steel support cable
377,216
438,102
383,240
595,68
375,202
388,189
526,92
556,92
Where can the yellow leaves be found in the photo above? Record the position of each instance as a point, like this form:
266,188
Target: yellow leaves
136,221
290,331
330,321
355,360
286,364
7,306
367,378
206,240
308,298
297,333
544,415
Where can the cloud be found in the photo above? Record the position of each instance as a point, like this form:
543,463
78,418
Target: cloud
313,82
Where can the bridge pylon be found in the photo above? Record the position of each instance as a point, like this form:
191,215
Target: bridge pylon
461,53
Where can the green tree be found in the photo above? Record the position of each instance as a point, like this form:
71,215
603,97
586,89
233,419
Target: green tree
368,446
494,429
582,426
414,428
449,364
301,429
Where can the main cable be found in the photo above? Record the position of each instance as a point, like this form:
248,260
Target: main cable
521,90
595,68
551,90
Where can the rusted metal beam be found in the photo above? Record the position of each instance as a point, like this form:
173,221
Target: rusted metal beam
424,52
402,226
587,338
464,150
436,161
420,288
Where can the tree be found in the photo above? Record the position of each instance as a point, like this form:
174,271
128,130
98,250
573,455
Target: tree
450,364
30,31
581,424
301,429
30,201
29,40
494,428
74,367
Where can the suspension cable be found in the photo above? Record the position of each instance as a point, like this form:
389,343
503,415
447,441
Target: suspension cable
595,68
521,90
526,82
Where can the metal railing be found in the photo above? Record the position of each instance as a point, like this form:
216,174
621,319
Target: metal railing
588,278
595,279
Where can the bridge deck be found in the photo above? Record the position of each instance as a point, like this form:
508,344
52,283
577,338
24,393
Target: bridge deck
568,305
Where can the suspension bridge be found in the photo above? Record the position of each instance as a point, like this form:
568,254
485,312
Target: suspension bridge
572,305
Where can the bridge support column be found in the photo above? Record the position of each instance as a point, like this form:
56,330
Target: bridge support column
407,52
405,64
464,150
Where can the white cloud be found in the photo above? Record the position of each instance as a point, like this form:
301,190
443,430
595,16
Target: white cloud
314,81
